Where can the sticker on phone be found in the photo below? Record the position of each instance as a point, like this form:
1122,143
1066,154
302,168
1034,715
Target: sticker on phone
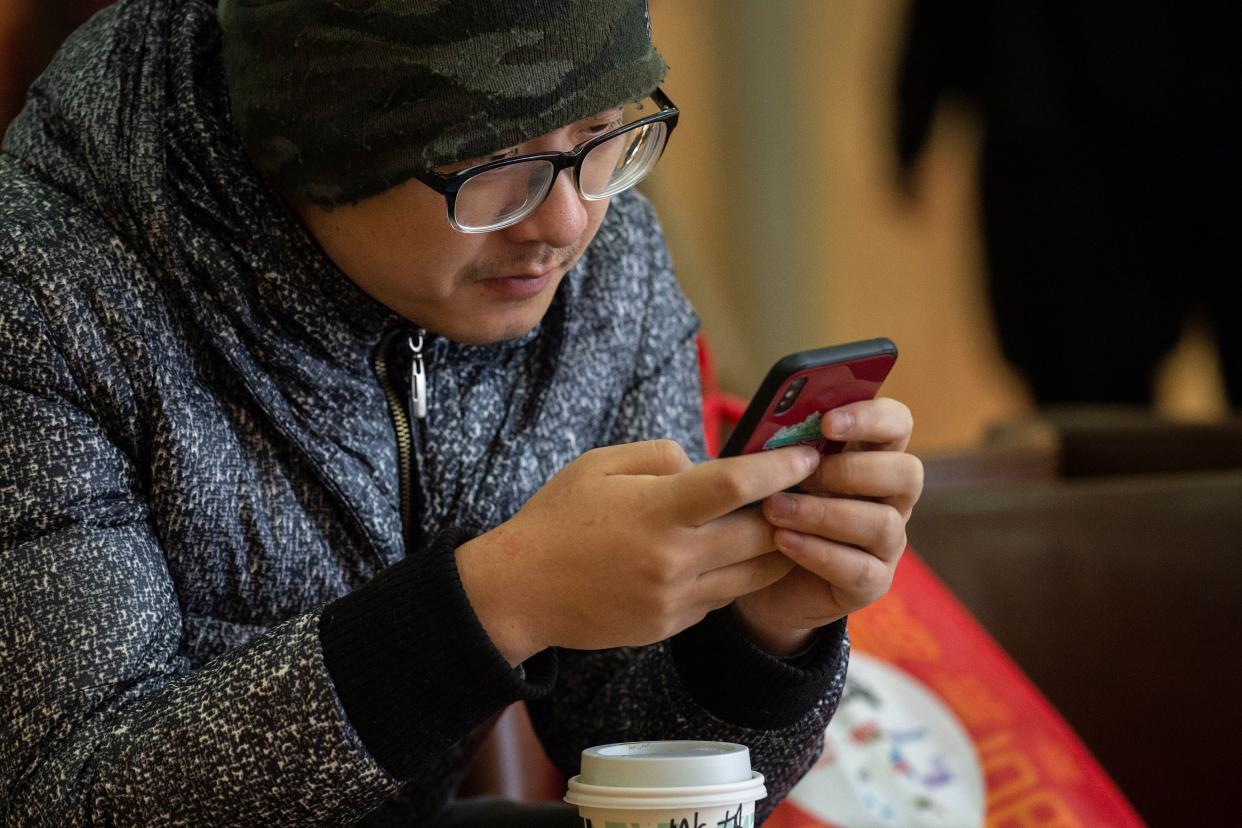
805,432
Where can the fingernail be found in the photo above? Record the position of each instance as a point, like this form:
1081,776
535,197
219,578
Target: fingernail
788,541
781,505
810,458
840,423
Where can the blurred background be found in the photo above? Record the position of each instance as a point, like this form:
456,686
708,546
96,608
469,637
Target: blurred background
794,225
1036,205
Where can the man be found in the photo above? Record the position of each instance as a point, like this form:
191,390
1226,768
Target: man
326,435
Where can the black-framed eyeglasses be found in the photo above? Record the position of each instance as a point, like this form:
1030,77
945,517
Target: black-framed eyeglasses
501,193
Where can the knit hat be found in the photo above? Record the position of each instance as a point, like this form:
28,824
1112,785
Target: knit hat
339,100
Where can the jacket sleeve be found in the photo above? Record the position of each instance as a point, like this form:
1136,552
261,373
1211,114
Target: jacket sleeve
710,681
101,721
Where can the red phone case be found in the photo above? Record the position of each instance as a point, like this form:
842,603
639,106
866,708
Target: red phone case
835,376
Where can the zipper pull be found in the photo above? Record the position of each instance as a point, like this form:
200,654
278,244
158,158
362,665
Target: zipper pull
418,376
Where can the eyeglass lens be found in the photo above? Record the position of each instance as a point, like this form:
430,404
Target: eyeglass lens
501,196
508,194
621,162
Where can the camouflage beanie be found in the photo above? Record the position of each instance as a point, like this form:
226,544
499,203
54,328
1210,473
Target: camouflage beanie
339,100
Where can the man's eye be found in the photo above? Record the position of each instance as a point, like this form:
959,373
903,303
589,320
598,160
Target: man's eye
602,127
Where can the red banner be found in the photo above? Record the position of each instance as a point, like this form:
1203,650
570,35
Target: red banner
1029,767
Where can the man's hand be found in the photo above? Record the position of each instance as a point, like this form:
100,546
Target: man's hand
628,545
846,534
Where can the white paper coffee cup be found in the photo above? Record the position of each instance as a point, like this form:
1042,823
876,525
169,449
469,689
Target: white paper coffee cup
663,784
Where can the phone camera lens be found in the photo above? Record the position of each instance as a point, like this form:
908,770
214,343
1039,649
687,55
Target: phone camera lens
790,395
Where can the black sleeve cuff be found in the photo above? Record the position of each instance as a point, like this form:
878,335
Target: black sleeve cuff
413,667
734,680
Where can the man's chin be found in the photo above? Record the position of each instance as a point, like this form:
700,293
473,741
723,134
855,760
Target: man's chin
499,322
474,319
490,330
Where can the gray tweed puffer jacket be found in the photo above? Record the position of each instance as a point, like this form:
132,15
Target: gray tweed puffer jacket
210,611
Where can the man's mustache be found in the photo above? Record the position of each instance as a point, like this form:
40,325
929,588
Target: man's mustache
548,259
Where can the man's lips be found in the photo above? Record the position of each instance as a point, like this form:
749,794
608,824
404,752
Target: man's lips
533,273
519,285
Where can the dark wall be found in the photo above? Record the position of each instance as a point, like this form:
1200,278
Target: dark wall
1117,585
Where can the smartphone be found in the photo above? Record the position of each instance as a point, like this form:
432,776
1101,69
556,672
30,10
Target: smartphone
803,387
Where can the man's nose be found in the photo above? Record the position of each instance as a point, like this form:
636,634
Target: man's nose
560,221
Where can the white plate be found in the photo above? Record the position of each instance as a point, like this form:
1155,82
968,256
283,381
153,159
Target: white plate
893,755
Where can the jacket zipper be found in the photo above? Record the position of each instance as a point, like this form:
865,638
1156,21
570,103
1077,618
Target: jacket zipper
409,445
418,376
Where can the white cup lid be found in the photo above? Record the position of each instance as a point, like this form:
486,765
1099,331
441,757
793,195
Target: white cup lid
665,764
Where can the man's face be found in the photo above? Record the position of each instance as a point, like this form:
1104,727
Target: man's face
474,288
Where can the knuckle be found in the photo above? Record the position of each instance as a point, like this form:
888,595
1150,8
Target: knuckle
797,466
652,603
810,512
828,510
893,406
870,576
906,415
669,452
659,573
591,456
916,473
848,470
731,485
884,582
892,528
864,414
665,605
